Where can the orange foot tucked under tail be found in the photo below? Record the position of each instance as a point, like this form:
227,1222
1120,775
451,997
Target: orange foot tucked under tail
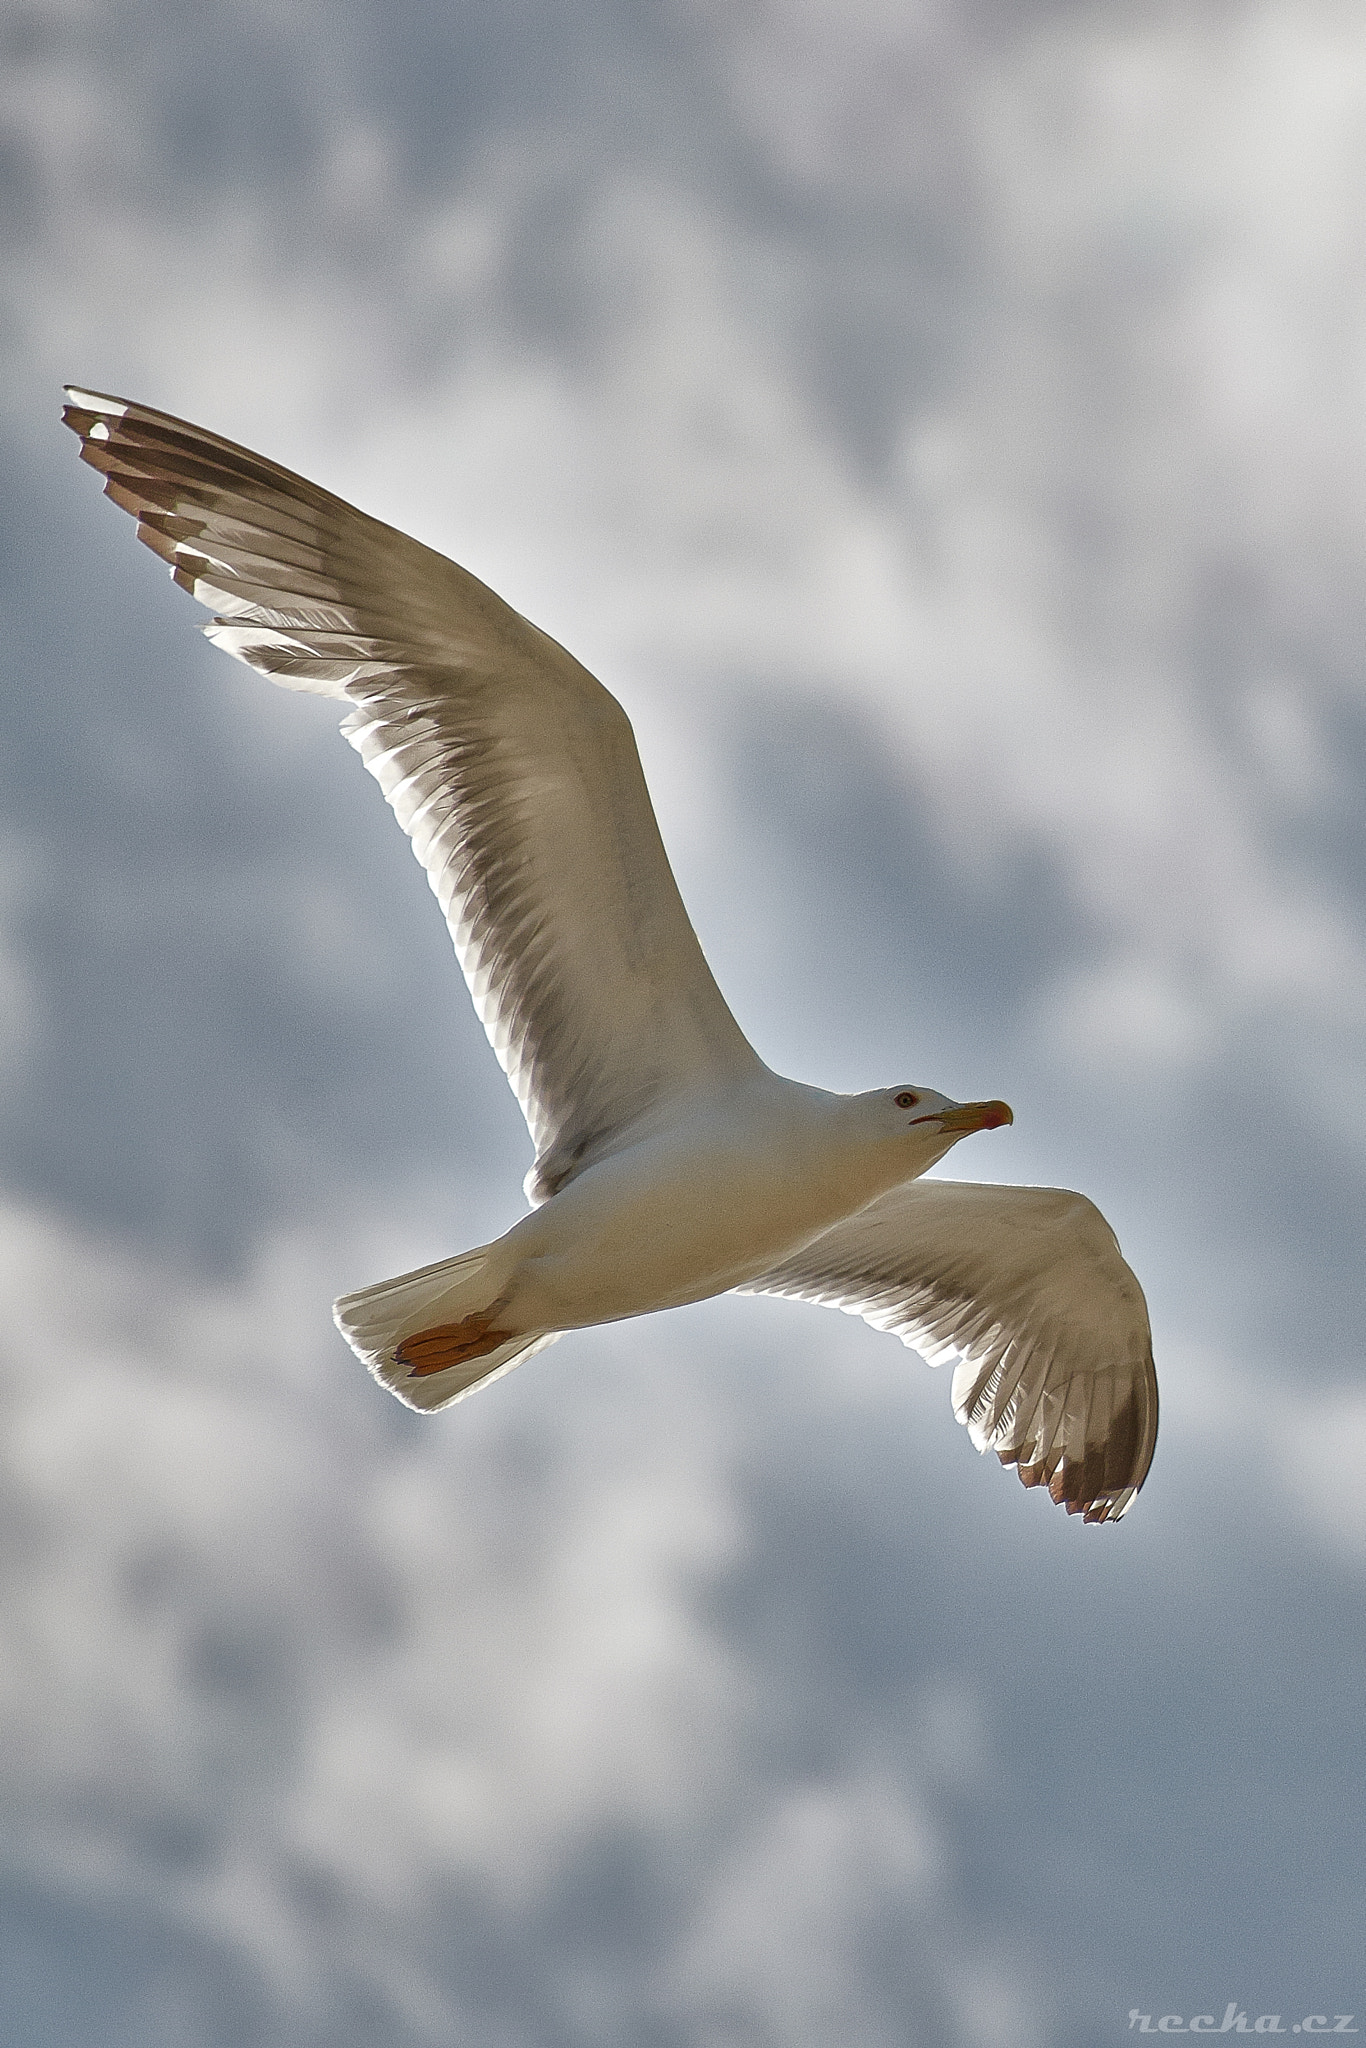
448,1344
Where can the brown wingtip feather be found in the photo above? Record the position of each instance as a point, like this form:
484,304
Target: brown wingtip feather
1074,1487
89,414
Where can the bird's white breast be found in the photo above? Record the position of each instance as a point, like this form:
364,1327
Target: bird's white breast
702,1206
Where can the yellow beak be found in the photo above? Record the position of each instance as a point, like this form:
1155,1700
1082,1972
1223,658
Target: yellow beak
971,1116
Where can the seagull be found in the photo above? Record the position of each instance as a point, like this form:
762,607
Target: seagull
671,1163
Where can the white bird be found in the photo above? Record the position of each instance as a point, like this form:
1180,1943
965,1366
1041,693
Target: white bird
671,1163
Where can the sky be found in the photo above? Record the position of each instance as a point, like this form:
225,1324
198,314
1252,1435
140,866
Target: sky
944,427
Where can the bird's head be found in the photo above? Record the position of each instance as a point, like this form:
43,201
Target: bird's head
927,1123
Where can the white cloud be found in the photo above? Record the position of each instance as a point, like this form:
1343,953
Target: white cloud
798,1895
250,1617
20,998
1131,419
1293,1445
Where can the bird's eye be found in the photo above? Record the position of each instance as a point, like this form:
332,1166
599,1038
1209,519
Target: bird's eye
906,1100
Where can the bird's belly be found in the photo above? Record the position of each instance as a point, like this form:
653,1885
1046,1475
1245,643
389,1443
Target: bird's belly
638,1233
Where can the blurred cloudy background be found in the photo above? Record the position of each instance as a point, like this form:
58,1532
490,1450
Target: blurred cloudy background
944,427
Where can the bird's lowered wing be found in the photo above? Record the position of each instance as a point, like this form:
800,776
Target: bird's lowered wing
1028,1288
514,773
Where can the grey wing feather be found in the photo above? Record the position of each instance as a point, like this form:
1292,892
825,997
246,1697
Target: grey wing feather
1028,1289
514,773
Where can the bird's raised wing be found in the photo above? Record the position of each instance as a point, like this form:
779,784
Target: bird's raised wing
513,772
1028,1289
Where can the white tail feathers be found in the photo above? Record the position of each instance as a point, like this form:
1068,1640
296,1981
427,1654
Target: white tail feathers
375,1322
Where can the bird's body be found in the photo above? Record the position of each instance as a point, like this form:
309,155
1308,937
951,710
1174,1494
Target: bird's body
671,1163
730,1185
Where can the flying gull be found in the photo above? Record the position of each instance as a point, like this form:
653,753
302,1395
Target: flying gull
671,1163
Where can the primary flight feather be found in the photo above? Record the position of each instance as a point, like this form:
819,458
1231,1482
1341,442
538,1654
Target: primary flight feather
671,1163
